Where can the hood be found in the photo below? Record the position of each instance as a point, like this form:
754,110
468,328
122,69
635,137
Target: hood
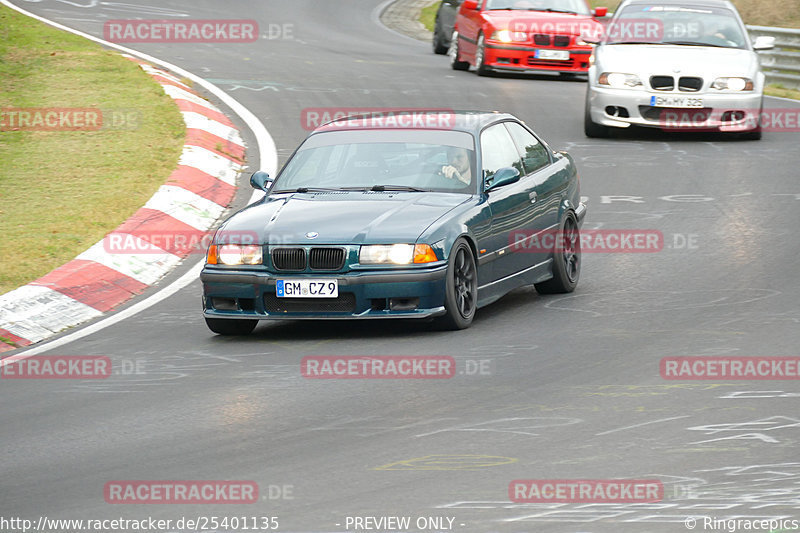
342,217
543,22
645,60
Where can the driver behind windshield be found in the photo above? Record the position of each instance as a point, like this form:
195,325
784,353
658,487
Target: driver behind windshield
458,166
724,35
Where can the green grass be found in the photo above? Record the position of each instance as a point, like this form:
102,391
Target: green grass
8,341
62,191
782,13
776,89
610,4
428,15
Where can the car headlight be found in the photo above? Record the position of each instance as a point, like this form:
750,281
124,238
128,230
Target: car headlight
733,84
508,36
619,80
396,254
234,254
580,42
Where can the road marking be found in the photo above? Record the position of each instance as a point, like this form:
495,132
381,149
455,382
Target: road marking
448,462
511,425
640,425
161,295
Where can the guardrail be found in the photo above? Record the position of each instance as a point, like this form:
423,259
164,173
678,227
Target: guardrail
781,65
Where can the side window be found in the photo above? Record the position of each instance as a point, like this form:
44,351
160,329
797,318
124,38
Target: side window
498,151
535,155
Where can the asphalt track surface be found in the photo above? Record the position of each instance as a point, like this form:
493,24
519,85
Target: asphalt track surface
571,389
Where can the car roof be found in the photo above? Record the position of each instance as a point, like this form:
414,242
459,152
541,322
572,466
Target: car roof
683,3
417,119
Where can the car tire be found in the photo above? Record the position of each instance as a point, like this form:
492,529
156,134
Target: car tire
226,326
455,54
480,57
566,258
591,128
439,47
461,292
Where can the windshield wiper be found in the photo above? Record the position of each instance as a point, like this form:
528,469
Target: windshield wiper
547,10
380,188
693,43
636,42
376,188
313,189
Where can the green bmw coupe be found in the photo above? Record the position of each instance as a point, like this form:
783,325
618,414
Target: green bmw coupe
408,215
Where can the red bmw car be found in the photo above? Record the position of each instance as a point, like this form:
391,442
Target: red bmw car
525,36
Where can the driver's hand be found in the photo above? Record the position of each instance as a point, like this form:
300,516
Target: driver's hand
724,38
450,172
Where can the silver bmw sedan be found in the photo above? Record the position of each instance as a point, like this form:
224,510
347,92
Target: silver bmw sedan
676,65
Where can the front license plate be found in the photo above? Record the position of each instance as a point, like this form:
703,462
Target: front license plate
675,101
558,55
307,288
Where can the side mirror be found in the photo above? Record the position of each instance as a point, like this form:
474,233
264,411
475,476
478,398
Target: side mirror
764,42
261,180
600,11
472,5
504,176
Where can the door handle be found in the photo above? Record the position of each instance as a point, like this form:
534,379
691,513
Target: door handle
533,196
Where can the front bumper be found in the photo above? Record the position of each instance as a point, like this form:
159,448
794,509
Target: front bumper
522,58
719,112
251,294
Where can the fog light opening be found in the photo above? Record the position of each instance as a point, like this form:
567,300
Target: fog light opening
378,304
403,304
617,111
733,116
224,304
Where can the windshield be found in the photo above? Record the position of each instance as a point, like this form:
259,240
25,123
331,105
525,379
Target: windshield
376,160
683,25
567,6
